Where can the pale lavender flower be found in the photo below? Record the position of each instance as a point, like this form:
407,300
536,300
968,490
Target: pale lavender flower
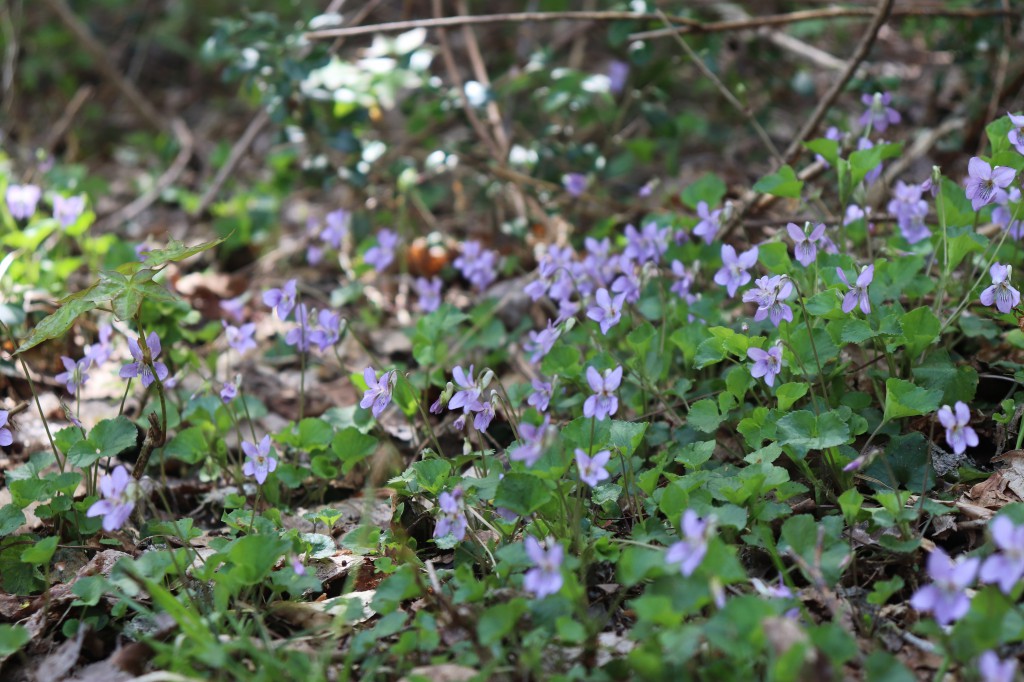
283,299
945,597
733,273
68,209
139,368
1004,215
647,244
991,668
956,421
546,576
383,254
314,255
478,265
603,403
469,388
606,310
1001,292
767,363
298,566
541,396
628,285
234,307
22,200
684,281
710,222
1005,567
858,292
689,552
618,73
531,446
6,437
985,184
769,293
575,183
872,175
337,227
378,391
879,115
453,518
1016,134
592,468
99,352
260,461
910,211
74,374
484,412
328,330
541,343
118,501
142,251
240,338
429,292
299,335
805,241
228,391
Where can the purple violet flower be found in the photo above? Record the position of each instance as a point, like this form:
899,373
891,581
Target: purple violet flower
733,273
768,293
710,222
628,285
531,446
74,374
541,343
484,412
1016,134
606,310
336,229
767,363
22,200
618,73
945,597
1004,215
469,388
228,392
910,211
546,576
879,115
234,307
994,670
985,184
378,391
575,183
1005,567
261,459
477,264
99,352
6,437
956,421
240,338
604,403
592,468
684,281
647,244
283,299
805,241
383,254
689,552
858,292
452,519
67,210
299,335
1001,292
429,292
140,368
541,396
118,501
328,330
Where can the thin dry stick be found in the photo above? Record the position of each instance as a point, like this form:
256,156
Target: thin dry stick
79,99
727,94
476,60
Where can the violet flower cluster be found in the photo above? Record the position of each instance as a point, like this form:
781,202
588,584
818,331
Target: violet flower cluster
453,516
478,265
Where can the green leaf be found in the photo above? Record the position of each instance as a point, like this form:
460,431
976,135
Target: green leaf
522,493
704,416
854,330
825,551
352,446
695,454
907,459
189,446
788,394
920,329
998,134
320,546
957,382
57,323
40,553
11,519
176,251
784,183
904,399
806,431
963,240
828,149
252,557
108,438
499,620
12,638
709,188
563,360
864,161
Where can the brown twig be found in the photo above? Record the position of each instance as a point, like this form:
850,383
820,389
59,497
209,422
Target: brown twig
79,99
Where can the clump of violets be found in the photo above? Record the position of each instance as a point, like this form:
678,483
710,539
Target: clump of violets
22,200
648,244
383,254
603,403
260,459
957,421
767,363
592,468
688,553
67,210
733,273
1005,567
606,311
985,184
993,669
1001,293
769,293
74,375
805,241
910,210
546,575
118,499
532,442
240,338
6,437
146,364
878,115
378,391
453,518
858,293
282,300
574,183
945,598
478,265
429,293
